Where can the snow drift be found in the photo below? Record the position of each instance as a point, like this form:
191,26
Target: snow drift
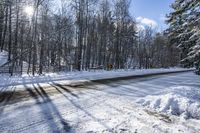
180,101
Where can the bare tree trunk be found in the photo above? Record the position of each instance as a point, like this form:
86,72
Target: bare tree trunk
5,29
10,33
14,63
22,47
41,57
1,24
34,61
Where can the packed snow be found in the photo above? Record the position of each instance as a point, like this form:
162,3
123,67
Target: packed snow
110,107
181,101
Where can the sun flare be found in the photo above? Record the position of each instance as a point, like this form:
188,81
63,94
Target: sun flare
29,10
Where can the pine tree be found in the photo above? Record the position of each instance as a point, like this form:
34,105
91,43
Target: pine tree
184,30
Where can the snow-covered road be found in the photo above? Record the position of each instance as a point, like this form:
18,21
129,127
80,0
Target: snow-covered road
99,107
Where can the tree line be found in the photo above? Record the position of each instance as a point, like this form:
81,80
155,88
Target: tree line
79,35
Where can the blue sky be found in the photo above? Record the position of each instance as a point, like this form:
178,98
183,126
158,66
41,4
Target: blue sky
152,11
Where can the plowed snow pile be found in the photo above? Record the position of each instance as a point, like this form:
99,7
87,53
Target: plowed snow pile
182,101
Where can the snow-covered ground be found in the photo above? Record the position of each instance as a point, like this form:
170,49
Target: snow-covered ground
182,101
162,103
108,107
73,77
3,57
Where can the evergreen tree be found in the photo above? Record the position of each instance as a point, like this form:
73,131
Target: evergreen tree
184,31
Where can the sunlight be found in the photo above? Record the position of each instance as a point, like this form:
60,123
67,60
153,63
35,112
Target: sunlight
29,10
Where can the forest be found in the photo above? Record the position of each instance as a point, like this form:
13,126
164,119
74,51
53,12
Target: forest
41,36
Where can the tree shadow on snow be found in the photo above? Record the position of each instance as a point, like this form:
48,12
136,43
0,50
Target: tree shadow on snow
64,88
49,110
79,107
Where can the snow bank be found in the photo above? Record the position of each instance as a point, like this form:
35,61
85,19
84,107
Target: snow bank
181,101
6,80
3,57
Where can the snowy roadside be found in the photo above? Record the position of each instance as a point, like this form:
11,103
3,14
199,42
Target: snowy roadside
110,108
3,57
92,112
73,77
69,78
183,101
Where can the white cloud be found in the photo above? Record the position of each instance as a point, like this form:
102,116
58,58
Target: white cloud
146,22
